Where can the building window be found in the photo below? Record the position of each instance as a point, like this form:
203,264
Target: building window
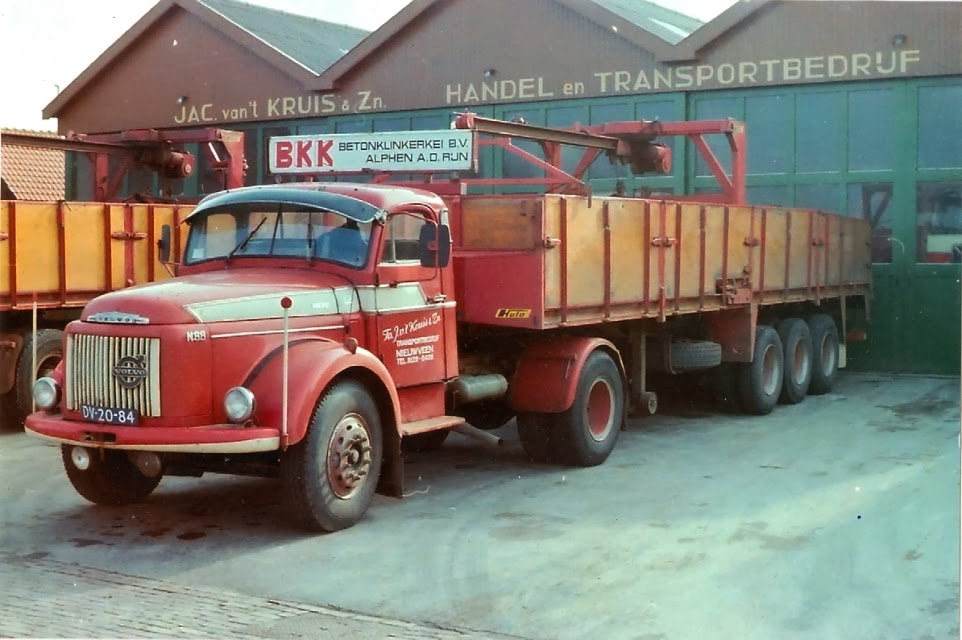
819,122
824,197
716,109
872,202
871,126
939,221
940,127
767,121
768,196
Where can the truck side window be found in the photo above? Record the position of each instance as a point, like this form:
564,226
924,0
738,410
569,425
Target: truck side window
401,238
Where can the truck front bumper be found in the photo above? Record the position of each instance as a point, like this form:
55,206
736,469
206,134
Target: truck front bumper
214,438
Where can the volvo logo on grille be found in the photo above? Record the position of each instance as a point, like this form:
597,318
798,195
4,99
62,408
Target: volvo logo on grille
131,371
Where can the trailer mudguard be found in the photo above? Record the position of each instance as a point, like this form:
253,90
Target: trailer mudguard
313,365
546,378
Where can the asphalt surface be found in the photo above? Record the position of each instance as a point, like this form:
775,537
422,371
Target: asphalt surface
835,518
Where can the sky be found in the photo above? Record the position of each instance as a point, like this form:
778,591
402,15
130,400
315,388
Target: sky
46,44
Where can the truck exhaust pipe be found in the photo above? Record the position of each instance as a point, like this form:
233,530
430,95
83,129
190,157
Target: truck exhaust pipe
478,434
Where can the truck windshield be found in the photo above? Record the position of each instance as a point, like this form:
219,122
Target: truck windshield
272,230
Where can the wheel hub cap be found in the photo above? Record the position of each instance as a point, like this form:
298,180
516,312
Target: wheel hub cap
601,403
349,456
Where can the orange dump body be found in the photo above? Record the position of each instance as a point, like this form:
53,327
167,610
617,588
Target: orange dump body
66,254
541,262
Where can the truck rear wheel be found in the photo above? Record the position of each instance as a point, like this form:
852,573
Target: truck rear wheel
330,476
110,478
18,402
760,381
586,433
824,353
797,342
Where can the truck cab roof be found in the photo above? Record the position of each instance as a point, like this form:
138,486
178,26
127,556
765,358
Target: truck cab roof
357,201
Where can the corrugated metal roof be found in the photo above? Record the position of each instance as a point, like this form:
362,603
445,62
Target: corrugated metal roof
315,44
665,23
32,173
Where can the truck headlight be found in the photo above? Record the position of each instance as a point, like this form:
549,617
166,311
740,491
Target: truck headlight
239,404
46,393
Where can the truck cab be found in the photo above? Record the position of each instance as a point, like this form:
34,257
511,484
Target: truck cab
290,299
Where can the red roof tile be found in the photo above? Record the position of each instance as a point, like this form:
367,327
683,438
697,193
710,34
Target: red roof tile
32,173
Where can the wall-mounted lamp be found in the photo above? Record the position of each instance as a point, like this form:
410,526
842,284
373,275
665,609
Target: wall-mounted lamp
489,73
899,39
182,100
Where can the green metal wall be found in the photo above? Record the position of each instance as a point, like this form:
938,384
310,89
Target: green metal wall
847,147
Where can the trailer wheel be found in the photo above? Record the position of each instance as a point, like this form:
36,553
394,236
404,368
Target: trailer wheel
110,478
824,353
760,381
587,431
329,477
797,342
428,441
534,431
18,402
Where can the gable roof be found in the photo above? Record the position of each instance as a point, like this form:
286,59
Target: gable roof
314,43
665,23
297,45
31,173
668,35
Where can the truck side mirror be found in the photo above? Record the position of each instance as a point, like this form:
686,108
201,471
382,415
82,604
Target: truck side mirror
434,244
163,245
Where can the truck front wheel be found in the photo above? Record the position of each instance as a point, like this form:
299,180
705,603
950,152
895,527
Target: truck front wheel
106,476
330,476
587,431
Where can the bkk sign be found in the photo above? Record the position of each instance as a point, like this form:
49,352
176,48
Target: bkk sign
443,150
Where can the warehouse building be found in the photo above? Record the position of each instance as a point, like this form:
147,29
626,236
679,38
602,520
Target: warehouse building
852,107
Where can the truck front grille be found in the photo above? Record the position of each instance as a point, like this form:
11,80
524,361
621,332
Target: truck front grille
115,372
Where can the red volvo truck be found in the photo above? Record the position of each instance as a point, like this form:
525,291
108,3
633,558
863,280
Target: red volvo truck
316,330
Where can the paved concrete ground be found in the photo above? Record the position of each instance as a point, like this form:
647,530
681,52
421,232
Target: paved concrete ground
836,518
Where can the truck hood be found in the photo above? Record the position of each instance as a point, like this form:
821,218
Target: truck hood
224,296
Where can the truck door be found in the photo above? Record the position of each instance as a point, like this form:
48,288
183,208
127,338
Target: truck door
415,321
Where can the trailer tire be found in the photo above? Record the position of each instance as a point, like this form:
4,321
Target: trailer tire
330,476
110,479
797,343
534,431
427,441
691,355
824,353
586,433
18,402
760,381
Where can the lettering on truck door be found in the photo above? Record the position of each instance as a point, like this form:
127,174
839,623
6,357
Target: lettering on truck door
411,313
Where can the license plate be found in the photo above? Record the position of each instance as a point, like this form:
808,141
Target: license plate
109,415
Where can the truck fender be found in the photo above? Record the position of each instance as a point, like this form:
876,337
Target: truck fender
546,378
313,366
